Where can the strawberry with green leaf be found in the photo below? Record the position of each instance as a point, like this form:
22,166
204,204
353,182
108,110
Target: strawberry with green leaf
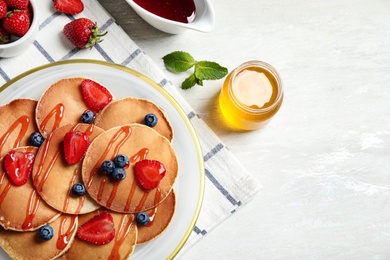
180,61
16,22
83,33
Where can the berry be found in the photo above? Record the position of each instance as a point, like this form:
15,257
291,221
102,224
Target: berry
3,9
99,230
149,173
36,139
142,218
83,33
95,96
78,189
121,161
18,166
107,167
5,36
16,22
87,117
46,232
69,6
151,120
17,4
75,146
118,174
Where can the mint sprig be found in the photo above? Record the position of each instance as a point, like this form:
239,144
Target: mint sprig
180,61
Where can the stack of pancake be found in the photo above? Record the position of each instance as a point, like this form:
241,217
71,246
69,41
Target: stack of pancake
46,198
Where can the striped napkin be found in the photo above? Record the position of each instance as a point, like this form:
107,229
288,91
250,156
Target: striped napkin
227,187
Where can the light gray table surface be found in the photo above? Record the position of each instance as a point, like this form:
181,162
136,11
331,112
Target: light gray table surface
324,160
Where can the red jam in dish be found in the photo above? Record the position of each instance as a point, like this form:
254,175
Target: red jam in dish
183,11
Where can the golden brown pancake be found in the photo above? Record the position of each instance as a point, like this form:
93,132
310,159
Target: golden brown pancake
21,208
17,122
61,104
133,110
137,142
54,177
28,245
121,247
160,217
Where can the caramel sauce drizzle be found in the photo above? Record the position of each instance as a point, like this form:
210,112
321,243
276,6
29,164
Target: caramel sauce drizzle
64,235
24,121
58,113
124,229
153,212
127,132
39,183
6,188
81,198
32,208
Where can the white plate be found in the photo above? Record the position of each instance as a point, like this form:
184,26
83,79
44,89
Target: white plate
122,82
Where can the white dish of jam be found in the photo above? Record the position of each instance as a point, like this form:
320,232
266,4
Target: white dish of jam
176,16
122,82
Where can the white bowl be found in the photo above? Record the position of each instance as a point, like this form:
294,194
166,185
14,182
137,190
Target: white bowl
21,45
203,22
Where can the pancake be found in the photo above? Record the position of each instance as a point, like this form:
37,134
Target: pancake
61,104
160,218
54,177
121,247
17,122
28,245
21,208
137,142
133,110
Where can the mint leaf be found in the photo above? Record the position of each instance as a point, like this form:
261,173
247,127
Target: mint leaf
189,82
178,61
208,70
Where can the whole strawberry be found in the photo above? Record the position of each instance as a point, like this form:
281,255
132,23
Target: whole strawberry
3,9
83,33
4,35
16,22
17,4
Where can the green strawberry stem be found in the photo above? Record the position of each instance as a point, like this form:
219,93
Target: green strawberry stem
96,37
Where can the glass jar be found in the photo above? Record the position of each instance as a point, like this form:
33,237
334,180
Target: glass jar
251,95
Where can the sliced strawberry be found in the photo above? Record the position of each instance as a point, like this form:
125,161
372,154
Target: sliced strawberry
18,166
149,173
99,230
75,146
95,96
69,6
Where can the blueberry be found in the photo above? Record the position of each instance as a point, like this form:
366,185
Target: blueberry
46,232
150,120
78,189
87,117
107,167
142,218
121,160
118,174
36,139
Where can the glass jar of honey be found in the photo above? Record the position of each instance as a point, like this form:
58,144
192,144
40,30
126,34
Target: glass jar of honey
251,95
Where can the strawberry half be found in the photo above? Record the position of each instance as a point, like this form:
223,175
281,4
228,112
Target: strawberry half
99,230
69,6
18,166
75,146
95,96
149,173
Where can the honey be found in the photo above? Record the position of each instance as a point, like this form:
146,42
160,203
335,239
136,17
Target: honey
251,95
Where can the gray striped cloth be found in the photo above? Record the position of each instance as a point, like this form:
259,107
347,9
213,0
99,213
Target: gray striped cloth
227,187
